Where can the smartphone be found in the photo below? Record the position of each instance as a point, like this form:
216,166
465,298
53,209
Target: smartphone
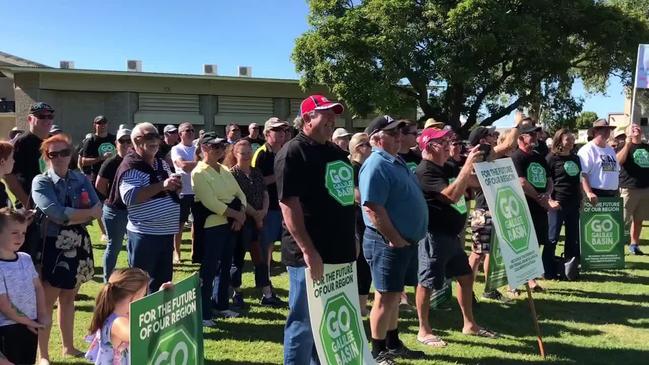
485,148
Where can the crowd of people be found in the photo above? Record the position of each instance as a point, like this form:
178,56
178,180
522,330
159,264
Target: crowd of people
403,223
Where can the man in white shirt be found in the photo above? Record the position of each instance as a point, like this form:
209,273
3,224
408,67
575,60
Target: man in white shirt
600,168
182,156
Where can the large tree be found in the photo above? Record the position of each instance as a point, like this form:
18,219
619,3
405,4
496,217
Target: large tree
479,58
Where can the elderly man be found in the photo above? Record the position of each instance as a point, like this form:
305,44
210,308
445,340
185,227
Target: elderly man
395,216
441,253
254,136
145,185
341,138
183,157
170,139
232,133
319,218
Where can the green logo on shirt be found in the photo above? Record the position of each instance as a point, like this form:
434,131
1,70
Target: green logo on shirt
536,175
460,206
641,157
339,180
571,168
42,166
106,147
412,166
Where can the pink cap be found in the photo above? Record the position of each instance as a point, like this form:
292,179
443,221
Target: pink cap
430,134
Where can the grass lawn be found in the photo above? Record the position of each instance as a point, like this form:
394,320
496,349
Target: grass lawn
602,319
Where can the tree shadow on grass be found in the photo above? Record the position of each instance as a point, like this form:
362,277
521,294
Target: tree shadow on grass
635,265
616,276
592,313
249,332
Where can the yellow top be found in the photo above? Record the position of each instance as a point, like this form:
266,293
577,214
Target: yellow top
215,189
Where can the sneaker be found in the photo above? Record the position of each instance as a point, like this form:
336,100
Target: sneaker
237,300
209,323
634,249
495,295
403,351
227,313
571,269
272,301
384,358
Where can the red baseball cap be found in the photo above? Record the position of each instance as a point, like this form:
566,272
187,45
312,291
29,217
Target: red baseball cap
319,102
430,134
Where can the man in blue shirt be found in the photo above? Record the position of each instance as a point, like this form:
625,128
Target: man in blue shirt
396,216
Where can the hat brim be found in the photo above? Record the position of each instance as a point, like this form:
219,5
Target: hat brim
393,125
343,135
605,126
337,107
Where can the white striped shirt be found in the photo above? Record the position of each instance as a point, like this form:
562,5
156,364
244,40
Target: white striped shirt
156,216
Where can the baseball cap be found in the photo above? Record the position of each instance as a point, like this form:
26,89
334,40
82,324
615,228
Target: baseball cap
383,123
100,119
253,125
274,122
340,133
40,107
55,128
478,133
319,102
432,123
602,123
123,133
169,128
430,134
211,138
619,133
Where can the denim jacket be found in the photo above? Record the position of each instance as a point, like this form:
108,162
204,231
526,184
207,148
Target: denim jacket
56,197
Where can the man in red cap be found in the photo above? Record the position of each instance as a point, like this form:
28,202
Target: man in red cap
441,253
318,218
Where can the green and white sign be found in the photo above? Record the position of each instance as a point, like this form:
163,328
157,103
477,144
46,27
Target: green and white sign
339,180
536,175
441,296
335,316
460,206
497,275
512,220
166,326
641,157
602,235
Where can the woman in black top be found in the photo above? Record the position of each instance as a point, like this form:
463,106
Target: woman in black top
565,171
360,149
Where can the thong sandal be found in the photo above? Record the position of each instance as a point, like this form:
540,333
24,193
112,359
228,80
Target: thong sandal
432,341
483,332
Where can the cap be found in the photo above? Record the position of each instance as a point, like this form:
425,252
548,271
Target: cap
430,134
619,133
211,138
602,123
340,133
383,123
55,128
274,122
123,132
169,128
479,133
40,107
528,126
319,102
253,125
432,123
100,119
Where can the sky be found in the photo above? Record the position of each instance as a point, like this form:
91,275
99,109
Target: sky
178,37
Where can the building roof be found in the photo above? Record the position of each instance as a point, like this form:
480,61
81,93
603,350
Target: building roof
7,59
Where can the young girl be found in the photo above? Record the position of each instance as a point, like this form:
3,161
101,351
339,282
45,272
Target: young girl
22,300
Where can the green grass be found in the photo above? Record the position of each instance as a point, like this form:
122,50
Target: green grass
602,319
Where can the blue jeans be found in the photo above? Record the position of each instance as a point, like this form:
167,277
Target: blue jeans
567,216
215,268
115,221
153,254
299,346
271,231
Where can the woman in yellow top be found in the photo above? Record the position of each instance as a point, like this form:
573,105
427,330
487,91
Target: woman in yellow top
218,191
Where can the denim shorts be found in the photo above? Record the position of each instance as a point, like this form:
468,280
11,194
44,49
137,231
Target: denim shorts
441,256
392,268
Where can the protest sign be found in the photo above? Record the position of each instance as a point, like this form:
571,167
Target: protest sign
166,326
335,316
512,220
602,235
497,276
441,296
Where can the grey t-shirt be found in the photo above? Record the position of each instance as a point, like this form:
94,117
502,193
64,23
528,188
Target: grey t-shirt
17,282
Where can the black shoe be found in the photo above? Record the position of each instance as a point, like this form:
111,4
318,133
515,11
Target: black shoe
237,300
272,301
495,295
403,351
384,358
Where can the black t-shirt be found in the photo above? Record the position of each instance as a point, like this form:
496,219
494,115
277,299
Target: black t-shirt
28,161
443,215
320,176
108,169
95,146
534,169
412,159
264,160
542,149
4,197
163,150
565,172
634,172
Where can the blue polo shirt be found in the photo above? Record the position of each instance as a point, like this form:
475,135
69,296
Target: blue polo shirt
386,180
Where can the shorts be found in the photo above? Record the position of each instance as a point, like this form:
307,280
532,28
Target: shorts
441,256
186,203
392,268
636,204
481,227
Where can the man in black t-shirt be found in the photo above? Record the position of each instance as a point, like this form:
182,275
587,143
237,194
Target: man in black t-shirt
534,176
441,253
254,136
408,144
98,148
633,158
170,139
319,218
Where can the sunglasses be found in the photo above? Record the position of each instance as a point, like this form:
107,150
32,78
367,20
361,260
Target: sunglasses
189,130
124,141
62,153
101,122
279,129
44,116
391,133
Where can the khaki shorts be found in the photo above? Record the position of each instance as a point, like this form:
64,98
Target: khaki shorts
636,203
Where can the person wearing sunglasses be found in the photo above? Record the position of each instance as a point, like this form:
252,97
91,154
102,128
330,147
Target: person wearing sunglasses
409,151
232,133
255,137
66,202
145,184
98,148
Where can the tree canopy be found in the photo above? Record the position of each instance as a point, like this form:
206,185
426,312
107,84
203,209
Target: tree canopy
479,58
585,120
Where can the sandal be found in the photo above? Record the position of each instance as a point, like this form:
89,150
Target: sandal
483,332
432,341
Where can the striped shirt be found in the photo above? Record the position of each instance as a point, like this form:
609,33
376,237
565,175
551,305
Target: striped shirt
156,216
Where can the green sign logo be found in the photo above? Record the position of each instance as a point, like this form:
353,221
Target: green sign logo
339,180
412,166
536,175
106,147
176,348
512,216
571,168
602,233
641,157
495,252
340,333
460,206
